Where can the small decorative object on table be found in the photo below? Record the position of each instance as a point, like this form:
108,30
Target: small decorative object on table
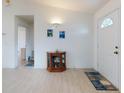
56,61
57,50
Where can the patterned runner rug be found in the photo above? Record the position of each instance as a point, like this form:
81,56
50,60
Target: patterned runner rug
100,82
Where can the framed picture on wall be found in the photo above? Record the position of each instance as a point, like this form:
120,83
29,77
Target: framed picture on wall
62,34
49,32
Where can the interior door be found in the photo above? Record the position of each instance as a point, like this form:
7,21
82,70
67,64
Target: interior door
109,47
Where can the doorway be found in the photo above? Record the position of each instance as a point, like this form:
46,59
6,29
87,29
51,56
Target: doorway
109,47
25,40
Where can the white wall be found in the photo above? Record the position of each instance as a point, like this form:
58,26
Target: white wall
21,37
79,34
8,44
109,7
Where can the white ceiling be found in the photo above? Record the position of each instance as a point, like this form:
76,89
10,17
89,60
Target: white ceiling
89,6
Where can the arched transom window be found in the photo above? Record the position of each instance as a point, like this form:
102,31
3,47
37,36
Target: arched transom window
106,22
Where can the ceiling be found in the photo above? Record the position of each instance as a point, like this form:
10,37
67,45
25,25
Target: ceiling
90,6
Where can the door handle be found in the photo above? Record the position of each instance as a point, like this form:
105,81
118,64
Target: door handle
115,52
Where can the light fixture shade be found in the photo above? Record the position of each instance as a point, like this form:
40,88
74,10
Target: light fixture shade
55,25
55,22
7,2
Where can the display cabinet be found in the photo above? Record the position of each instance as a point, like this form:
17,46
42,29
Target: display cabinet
56,61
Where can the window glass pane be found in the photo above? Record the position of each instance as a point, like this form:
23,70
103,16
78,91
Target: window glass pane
106,23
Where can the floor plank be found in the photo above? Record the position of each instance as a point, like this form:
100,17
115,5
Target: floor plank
29,80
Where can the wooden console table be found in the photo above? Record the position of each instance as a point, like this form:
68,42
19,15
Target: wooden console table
56,61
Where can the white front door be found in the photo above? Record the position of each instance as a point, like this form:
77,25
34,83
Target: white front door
109,47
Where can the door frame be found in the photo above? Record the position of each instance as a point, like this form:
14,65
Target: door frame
16,36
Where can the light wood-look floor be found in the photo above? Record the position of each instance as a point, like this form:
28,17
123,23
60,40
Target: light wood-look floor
28,80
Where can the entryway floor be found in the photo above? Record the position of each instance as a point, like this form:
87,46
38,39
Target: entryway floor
29,80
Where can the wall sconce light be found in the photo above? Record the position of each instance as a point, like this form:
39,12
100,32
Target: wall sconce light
7,2
55,22
55,25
